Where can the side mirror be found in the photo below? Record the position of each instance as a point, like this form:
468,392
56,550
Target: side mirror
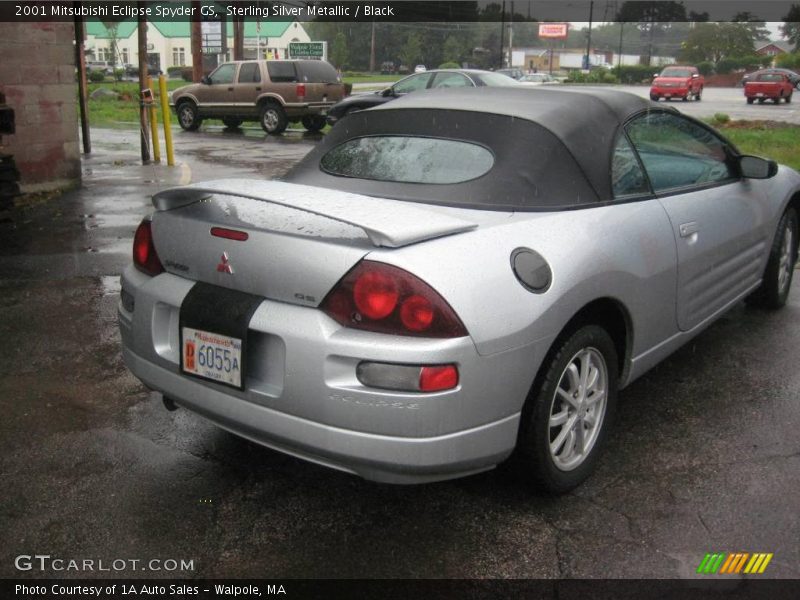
387,92
655,75
695,75
755,167
206,80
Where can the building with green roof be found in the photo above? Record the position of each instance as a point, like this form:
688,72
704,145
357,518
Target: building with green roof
169,42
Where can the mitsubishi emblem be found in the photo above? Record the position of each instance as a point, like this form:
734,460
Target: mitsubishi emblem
224,266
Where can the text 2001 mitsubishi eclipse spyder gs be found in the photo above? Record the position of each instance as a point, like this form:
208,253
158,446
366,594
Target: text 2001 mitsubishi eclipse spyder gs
453,276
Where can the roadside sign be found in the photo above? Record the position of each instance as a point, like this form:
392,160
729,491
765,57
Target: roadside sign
553,31
318,50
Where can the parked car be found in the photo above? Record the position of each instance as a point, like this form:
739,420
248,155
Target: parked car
435,78
272,92
420,69
133,71
794,77
100,65
538,79
455,278
513,72
677,82
768,86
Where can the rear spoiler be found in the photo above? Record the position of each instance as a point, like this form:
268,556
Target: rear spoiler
388,223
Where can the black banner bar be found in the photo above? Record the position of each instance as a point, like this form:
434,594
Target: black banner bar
397,10
709,587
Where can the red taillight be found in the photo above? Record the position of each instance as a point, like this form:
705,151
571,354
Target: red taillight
145,256
378,297
417,313
375,295
229,234
301,91
436,379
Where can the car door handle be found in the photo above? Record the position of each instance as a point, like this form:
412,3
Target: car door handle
258,89
687,229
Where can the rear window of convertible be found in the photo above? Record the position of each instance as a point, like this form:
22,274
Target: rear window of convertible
407,159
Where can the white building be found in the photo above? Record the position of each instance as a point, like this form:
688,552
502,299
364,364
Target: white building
169,44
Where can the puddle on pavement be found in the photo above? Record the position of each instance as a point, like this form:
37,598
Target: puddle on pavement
119,247
110,284
105,220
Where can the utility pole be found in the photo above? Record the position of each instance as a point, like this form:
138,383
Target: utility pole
372,50
197,45
80,62
502,33
589,38
238,38
619,54
143,73
511,34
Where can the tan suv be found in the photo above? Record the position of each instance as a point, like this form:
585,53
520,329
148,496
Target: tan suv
274,92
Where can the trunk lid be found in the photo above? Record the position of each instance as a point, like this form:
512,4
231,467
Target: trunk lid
300,239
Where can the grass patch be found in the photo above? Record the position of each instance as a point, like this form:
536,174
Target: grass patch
122,111
771,139
372,78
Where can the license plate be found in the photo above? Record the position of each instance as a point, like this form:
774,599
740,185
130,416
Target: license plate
759,94
667,95
212,356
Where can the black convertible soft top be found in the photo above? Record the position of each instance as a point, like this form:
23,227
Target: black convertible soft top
552,148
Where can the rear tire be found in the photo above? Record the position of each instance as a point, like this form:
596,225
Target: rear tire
654,98
569,411
699,95
273,118
750,100
777,282
313,123
788,98
187,116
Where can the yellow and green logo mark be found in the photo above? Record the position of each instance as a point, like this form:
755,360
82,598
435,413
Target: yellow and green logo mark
722,563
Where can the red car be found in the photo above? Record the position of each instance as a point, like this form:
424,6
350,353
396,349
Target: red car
677,82
775,86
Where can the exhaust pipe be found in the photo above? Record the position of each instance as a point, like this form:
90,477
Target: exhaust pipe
169,403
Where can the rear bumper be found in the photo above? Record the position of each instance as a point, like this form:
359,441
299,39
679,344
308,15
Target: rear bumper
381,458
669,91
302,397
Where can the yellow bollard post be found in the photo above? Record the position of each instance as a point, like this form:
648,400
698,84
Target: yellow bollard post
162,91
153,121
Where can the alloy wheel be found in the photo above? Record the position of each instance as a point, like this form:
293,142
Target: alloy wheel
578,409
785,265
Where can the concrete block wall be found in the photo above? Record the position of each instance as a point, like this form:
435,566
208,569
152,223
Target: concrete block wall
37,76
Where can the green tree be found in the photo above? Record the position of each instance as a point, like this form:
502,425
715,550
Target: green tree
791,26
451,52
112,28
654,20
339,50
758,29
411,53
717,41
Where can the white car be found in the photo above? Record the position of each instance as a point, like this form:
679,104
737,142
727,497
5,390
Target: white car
420,69
538,79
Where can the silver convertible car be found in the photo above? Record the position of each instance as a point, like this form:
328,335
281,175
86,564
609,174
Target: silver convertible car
455,278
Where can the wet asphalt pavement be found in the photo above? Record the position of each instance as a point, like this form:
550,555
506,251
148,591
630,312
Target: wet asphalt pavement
705,456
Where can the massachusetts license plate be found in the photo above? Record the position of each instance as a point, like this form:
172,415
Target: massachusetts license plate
212,356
